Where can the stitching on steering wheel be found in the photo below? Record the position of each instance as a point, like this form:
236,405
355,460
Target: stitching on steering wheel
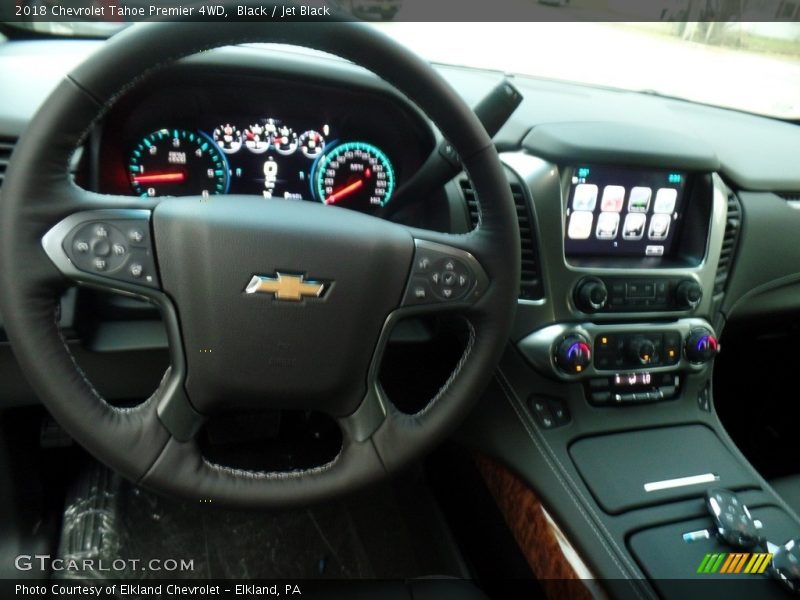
455,372
272,475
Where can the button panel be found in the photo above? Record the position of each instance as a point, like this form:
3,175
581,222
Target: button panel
116,248
632,388
614,351
549,412
443,274
643,295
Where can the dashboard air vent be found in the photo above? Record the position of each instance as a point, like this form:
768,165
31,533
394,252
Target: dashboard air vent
531,286
6,146
733,223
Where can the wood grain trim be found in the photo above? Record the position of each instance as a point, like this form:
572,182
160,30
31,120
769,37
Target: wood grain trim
552,558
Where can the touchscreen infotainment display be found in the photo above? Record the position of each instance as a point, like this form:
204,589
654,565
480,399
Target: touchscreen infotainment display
613,211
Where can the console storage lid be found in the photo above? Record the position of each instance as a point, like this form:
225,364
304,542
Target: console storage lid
634,469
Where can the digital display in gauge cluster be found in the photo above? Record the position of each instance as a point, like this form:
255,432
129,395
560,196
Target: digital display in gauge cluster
268,157
623,212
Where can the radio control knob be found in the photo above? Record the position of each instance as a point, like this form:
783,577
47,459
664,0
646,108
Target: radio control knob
591,295
642,350
573,354
688,294
701,346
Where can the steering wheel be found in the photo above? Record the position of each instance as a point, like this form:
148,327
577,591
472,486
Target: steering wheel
267,304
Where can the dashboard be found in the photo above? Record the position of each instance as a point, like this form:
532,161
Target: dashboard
621,220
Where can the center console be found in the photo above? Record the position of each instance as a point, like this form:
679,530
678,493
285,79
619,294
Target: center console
603,402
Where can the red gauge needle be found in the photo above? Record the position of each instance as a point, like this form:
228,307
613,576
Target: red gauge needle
345,191
159,178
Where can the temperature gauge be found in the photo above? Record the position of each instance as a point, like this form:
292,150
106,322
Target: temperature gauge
312,144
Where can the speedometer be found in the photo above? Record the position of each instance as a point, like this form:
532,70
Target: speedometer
355,175
176,162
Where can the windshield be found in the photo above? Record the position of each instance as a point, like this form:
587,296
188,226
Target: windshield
754,67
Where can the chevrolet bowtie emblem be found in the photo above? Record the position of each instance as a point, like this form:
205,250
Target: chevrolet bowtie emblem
285,287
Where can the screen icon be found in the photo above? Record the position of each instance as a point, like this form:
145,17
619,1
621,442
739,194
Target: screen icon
580,225
665,201
634,226
585,197
607,225
640,199
654,251
613,198
659,227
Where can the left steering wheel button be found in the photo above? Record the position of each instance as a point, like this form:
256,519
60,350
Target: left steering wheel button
101,247
418,292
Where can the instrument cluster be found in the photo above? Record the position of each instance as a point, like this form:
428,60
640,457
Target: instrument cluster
265,156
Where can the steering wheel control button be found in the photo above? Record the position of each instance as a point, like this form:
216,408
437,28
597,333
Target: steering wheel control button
101,247
115,248
443,274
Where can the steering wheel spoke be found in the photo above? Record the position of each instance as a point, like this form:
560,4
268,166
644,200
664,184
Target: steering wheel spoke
109,248
443,276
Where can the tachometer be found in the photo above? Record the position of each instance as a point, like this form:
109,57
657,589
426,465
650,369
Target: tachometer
178,163
355,175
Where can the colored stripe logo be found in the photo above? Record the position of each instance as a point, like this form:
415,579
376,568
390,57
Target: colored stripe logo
734,562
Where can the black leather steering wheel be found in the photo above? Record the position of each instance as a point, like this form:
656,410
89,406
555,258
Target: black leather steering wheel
196,257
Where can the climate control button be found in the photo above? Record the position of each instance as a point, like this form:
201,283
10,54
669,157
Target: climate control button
573,354
701,346
642,350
